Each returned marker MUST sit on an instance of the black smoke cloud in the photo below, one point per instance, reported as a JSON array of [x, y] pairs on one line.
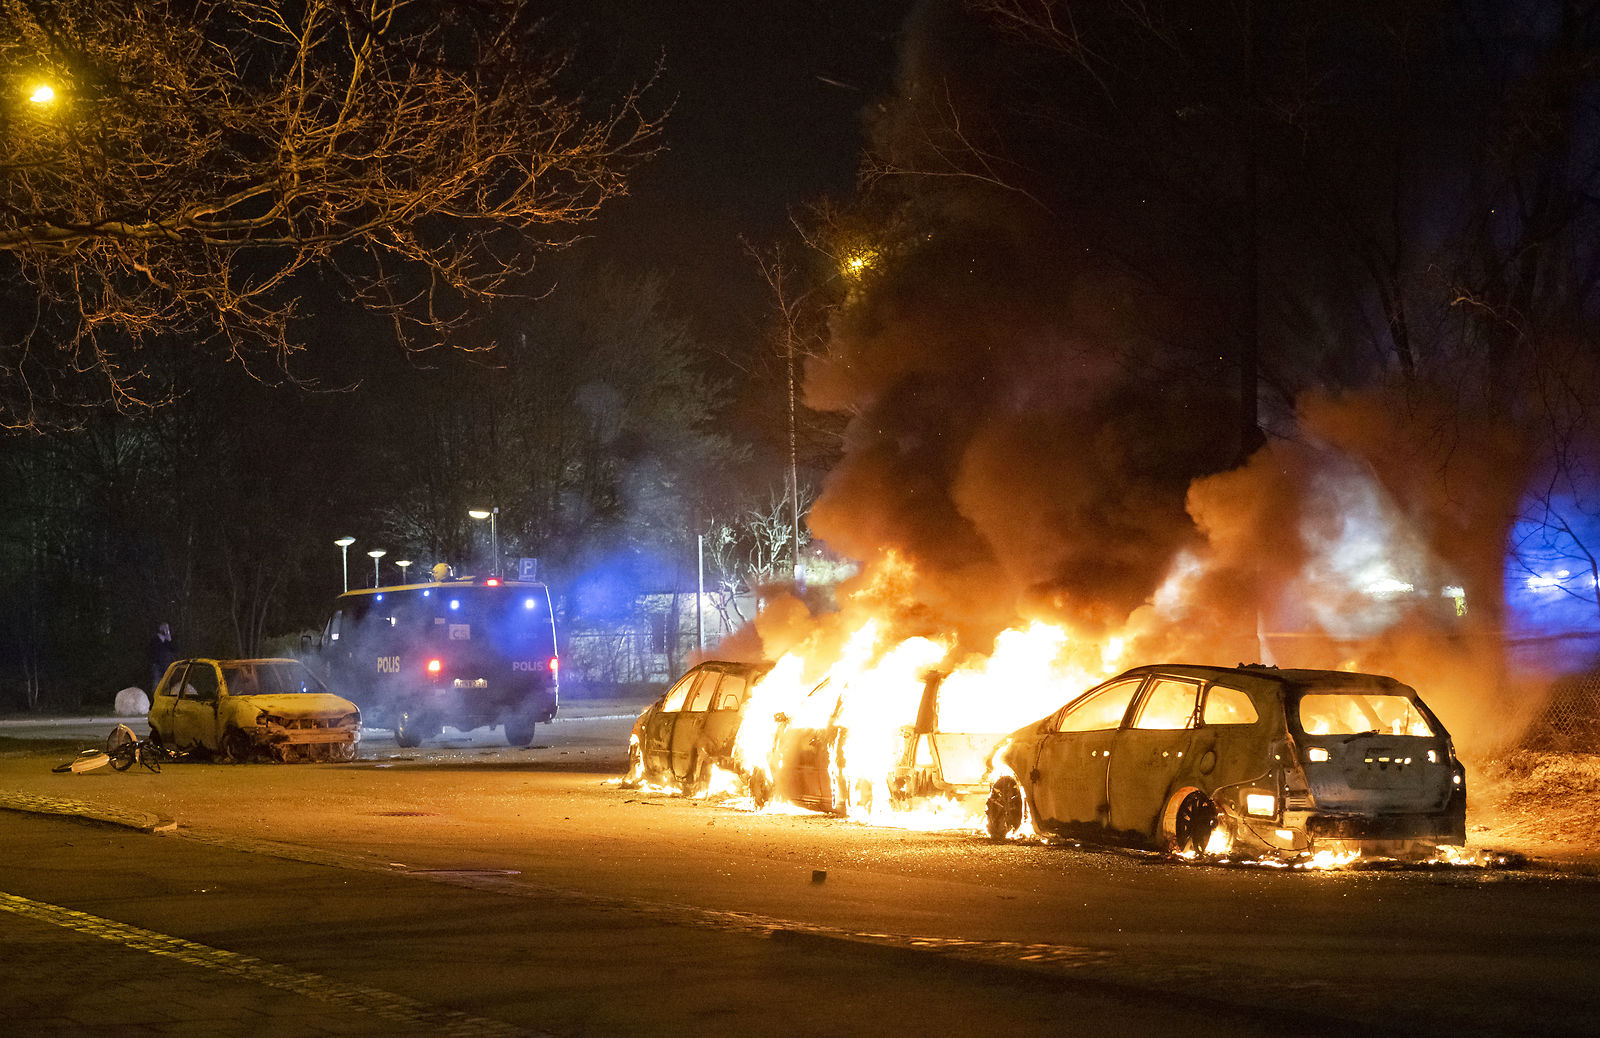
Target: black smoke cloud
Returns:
[[1041, 372]]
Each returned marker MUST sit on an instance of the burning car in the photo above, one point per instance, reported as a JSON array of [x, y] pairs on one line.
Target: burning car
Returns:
[[818, 761], [1196, 760], [682, 737], [241, 710]]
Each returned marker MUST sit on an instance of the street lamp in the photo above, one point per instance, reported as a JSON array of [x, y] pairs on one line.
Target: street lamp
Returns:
[[344, 558], [376, 553], [43, 94], [492, 515], [402, 563]]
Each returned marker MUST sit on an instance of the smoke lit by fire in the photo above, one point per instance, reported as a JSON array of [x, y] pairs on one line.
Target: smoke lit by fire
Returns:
[[1043, 480]]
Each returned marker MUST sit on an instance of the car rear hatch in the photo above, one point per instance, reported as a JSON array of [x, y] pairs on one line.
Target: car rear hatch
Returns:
[[1373, 752]]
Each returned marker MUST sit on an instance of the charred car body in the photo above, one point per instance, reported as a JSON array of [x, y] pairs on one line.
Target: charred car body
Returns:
[[242, 710], [464, 653], [681, 737], [819, 763], [1276, 762]]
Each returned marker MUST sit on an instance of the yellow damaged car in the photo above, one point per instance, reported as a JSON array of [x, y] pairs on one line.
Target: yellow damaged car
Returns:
[[243, 710]]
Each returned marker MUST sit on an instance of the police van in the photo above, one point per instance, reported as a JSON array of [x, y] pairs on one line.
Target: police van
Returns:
[[464, 653]]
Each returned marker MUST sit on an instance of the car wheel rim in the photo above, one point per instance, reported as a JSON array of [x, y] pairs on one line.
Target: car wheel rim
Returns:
[[1196, 819]]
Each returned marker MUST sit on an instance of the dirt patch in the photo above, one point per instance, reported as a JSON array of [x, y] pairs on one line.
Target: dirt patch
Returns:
[[1545, 800]]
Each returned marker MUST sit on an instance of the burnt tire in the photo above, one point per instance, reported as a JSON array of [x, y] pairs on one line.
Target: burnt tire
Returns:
[[1189, 821], [1003, 812], [760, 789], [237, 747]]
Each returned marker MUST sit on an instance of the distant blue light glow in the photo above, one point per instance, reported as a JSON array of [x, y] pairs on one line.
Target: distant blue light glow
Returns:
[[1550, 586], [527, 603], [455, 603], [425, 594], [380, 598]]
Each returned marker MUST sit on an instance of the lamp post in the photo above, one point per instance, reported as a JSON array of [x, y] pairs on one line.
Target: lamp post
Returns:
[[491, 514], [376, 553], [344, 558], [403, 564]]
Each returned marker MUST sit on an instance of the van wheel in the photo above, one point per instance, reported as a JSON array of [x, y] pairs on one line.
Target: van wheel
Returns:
[[410, 728], [520, 733], [1188, 822], [1002, 813]]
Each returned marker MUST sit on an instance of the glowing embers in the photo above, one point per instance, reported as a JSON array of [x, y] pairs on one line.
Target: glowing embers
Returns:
[[1217, 846]]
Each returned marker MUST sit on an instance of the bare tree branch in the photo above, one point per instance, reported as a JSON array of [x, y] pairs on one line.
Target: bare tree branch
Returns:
[[200, 161]]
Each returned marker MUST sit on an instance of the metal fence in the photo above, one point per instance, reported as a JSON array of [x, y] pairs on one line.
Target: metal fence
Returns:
[[608, 659], [1570, 721]]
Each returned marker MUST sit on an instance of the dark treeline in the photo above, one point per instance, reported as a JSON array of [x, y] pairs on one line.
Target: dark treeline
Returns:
[[592, 430]]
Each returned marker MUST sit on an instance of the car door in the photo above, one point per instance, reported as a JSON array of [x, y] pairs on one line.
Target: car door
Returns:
[[194, 718], [1158, 743], [656, 749], [1068, 778], [691, 724], [808, 747], [727, 708], [165, 700]]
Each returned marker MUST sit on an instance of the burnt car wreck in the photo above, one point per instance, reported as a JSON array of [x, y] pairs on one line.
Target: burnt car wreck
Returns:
[[810, 763], [244, 710], [1249, 760], [681, 739]]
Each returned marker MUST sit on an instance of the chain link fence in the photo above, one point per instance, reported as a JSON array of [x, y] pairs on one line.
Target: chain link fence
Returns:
[[1570, 721], [601, 660]]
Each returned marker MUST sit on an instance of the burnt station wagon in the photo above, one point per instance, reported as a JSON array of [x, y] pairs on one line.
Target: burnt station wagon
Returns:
[[1275, 762]]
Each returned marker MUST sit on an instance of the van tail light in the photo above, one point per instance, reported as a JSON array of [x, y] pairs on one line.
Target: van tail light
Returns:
[[492, 582], [555, 666], [435, 666]]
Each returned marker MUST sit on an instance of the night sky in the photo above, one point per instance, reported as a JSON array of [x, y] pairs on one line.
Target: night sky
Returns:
[[766, 117]]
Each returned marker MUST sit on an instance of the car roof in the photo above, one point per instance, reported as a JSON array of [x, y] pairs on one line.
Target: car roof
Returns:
[[1262, 677], [227, 662], [756, 667]]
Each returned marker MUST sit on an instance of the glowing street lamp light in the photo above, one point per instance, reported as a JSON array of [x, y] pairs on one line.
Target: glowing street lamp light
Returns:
[[43, 94], [403, 564], [344, 557], [376, 554], [492, 515]]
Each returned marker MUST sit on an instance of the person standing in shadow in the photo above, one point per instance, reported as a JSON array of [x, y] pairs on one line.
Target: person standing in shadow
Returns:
[[162, 652]]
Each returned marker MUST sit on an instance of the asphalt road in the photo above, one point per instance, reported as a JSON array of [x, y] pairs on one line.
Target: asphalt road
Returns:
[[473, 888]]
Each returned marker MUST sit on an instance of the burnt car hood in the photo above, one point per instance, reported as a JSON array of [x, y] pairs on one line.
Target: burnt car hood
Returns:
[[297, 704]]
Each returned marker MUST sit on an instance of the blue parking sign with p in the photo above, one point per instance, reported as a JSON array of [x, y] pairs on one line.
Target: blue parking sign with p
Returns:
[[528, 569]]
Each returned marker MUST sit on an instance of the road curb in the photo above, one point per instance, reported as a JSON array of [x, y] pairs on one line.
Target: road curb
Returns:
[[29, 803]]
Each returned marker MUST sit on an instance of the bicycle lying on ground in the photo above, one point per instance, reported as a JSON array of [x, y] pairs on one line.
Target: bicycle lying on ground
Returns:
[[123, 750]]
